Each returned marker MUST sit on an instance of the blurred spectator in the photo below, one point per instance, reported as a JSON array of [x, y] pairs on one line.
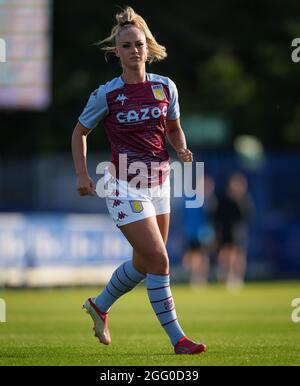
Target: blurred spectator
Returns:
[[201, 234], [235, 210]]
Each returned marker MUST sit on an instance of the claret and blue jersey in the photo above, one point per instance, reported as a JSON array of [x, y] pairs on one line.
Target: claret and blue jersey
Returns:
[[134, 117]]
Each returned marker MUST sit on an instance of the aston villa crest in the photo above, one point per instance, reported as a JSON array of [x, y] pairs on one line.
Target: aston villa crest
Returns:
[[158, 92], [136, 206]]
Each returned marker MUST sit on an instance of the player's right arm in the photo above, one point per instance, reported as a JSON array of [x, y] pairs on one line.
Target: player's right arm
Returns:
[[95, 110], [84, 183]]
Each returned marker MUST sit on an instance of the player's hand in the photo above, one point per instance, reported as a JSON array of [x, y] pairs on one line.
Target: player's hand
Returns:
[[85, 186], [185, 155]]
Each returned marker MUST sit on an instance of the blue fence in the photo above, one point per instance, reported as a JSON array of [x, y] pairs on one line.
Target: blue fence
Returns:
[[51, 240], [57, 238]]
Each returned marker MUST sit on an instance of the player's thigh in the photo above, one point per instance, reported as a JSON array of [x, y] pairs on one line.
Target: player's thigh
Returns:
[[163, 222], [145, 238], [162, 209]]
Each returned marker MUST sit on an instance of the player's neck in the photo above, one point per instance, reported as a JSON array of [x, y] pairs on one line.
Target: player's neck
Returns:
[[134, 76]]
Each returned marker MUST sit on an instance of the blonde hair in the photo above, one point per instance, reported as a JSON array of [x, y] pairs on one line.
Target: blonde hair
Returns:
[[128, 18]]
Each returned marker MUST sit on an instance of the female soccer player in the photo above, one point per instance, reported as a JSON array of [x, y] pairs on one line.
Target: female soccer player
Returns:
[[138, 110]]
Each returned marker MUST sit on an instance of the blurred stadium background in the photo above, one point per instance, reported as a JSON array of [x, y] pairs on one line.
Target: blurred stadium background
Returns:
[[239, 98]]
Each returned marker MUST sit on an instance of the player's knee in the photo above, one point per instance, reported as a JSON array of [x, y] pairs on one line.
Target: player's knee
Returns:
[[158, 263], [164, 266]]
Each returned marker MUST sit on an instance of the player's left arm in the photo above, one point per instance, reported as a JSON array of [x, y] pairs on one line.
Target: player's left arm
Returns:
[[176, 137]]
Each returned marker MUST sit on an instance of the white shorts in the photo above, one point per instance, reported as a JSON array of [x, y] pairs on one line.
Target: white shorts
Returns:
[[137, 204]]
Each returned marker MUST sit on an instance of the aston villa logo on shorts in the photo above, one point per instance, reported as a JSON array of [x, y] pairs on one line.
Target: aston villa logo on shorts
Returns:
[[158, 92], [136, 206]]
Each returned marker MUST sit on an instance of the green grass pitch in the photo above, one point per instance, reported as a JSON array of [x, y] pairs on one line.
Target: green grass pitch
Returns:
[[253, 327]]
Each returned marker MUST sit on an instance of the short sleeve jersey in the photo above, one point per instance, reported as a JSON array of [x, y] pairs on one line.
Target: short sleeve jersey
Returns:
[[134, 117]]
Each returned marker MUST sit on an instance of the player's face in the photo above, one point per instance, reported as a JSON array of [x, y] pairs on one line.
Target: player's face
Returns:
[[131, 47]]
